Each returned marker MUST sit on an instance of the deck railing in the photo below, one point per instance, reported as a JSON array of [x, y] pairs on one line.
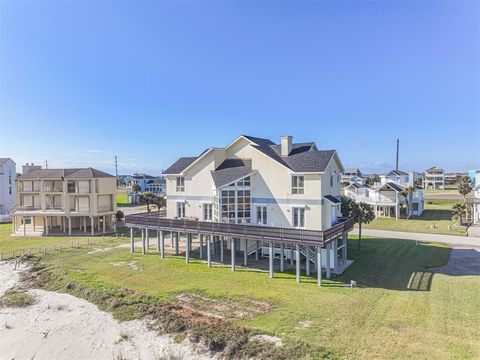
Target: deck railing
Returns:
[[254, 232]]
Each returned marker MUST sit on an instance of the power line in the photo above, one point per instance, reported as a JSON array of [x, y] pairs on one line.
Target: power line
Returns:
[[116, 169]]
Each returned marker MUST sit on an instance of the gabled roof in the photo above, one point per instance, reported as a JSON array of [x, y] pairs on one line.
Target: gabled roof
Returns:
[[259, 141], [395, 187], [231, 170], [180, 165], [4, 160], [304, 157], [396, 172], [85, 173]]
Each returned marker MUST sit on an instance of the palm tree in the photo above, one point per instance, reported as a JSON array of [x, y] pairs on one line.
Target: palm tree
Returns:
[[148, 199], [458, 211], [136, 188], [464, 187], [362, 214], [408, 195]]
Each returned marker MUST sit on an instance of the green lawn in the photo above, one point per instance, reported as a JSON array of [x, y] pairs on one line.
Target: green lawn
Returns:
[[437, 213], [122, 197], [399, 311]]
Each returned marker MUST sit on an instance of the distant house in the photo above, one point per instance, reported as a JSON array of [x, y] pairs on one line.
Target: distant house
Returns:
[[434, 178], [473, 203], [64, 201], [353, 176], [472, 174], [7, 186], [147, 183], [476, 207], [387, 197]]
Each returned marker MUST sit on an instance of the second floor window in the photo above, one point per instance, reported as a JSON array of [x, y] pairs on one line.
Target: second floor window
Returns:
[[180, 183], [297, 184]]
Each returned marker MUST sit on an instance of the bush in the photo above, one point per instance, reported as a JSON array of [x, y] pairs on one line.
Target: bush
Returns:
[[119, 215], [19, 299]]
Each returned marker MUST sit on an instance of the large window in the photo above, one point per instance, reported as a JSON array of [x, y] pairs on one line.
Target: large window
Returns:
[[180, 184], [207, 212], [298, 217], [180, 210], [297, 184], [235, 202]]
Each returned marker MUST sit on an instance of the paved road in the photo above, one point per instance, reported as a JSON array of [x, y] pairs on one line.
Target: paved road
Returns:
[[448, 239]]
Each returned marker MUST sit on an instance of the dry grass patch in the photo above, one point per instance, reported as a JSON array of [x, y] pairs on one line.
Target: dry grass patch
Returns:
[[224, 308], [17, 298]]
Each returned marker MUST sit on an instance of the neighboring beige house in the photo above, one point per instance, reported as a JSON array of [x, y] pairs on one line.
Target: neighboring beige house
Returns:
[[434, 178], [64, 201], [255, 181]]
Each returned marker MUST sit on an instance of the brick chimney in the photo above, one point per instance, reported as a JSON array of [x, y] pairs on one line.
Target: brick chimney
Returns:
[[286, 145]]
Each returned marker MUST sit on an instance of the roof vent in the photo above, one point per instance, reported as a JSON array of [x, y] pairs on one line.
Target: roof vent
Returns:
[[286, 145]]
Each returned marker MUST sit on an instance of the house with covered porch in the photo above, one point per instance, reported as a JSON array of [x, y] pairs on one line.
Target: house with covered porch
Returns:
[[262, 199], [389, 197], [64, 201]]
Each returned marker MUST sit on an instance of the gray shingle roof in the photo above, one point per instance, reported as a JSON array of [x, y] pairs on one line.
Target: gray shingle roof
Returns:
[[85, 173], [296, 148], [304, 157], [180, 165], [231, 170], [392, 185]]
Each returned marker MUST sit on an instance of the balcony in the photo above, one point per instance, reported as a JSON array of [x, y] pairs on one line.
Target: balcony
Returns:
[[253, 232], [52, 189]]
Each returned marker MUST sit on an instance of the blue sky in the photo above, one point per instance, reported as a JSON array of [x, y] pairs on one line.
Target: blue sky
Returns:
[[153, 81]]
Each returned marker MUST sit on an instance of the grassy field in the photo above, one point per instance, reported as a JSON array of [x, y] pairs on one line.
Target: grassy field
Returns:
[[399, 311], [437, 213], [122, 197]]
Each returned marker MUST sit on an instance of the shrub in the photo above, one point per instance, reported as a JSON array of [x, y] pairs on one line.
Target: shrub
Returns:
[[119, 215], [15, 298]]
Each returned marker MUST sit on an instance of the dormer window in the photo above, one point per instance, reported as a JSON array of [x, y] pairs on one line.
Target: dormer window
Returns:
[[297, 184], [180, 184]]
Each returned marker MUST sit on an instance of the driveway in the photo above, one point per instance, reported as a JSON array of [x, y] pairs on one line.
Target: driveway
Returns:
[[447, 239], [474, 230], [462, 261]]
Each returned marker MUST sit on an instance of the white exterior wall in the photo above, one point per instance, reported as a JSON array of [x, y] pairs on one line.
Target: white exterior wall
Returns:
[[7, 186], [270, 186]]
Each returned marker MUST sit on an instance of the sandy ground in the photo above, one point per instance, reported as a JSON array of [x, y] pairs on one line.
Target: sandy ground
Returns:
[[61, 326], [462, 262]]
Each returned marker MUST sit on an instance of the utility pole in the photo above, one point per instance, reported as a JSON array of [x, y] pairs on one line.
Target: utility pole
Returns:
[[46, 164], [398, 147], [116, 169]]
